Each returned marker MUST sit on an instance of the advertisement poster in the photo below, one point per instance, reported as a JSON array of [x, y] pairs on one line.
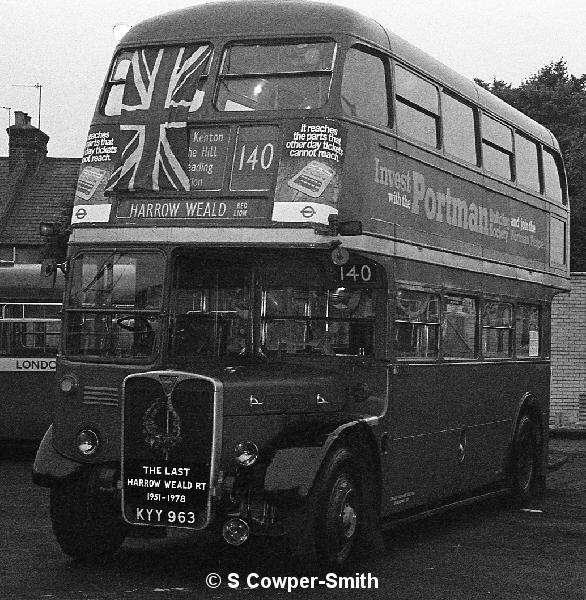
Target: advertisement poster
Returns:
[[440, 209], [97, 164], [308, 181]]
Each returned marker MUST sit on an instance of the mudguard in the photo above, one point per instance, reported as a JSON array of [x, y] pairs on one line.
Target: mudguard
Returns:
[[50, 467], [297, 458]]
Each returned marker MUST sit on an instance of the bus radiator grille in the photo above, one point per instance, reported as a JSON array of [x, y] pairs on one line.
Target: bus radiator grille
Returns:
[[101, 395]]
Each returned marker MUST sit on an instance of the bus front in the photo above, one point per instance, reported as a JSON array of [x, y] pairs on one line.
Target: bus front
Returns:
[[215, 332]]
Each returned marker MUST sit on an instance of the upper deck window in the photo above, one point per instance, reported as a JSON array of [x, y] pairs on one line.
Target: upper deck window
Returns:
[[417, 107], [552, 178], [275, 76], [459, 127], [166, 77], [526, 163], [364, 87], [497, 148]]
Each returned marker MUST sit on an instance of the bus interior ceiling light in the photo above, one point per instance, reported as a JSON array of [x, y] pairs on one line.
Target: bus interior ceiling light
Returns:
[[245, 453]]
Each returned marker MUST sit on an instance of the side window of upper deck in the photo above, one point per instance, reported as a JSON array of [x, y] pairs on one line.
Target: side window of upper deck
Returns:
[[417, 107], [459, 128], [364, 87], [552, 177], [497, 147], [157, 78], [526, 162]]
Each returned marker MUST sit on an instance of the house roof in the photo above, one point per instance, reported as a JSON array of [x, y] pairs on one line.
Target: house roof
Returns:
[[44, 195]]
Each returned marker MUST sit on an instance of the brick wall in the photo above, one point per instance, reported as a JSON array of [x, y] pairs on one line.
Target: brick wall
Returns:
[[568, 355]]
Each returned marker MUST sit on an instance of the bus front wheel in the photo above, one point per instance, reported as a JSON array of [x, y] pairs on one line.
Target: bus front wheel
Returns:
[[339, 504], [85, 521], [525, 461]]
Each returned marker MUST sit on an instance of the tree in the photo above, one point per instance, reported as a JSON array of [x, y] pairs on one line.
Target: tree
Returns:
[[557, 100]]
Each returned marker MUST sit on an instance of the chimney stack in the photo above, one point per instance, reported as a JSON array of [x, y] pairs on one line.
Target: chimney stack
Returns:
[[26, 144]]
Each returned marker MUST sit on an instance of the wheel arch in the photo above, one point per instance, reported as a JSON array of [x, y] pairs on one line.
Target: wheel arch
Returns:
[[298, 467]]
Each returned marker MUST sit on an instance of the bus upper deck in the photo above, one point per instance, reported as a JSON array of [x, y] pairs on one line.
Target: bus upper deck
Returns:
[[261, 137]]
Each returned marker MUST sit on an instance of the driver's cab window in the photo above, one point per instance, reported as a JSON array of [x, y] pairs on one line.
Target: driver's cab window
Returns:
[[210, 310]]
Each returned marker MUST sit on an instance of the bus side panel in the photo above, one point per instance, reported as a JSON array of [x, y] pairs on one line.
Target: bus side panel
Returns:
[[418, 467], [492, 414], [452, 425], [26, 402]]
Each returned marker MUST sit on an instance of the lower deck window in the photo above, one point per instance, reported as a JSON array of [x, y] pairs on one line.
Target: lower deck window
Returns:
[[527, 331], [417, 324], [459, 328], [339, 321], [497, 326]]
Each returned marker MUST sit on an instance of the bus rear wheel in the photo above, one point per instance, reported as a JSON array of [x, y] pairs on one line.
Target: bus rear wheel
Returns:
[[85, 522], [525, 461]]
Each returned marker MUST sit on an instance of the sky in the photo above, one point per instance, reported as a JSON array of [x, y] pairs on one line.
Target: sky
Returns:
[[66, 46]]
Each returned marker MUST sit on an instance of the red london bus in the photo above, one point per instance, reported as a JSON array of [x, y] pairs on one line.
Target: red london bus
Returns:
[[30, 324], [308, 290]]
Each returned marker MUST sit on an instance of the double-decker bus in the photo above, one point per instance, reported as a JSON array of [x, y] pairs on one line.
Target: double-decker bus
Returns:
[[308, 287], [30, 324]]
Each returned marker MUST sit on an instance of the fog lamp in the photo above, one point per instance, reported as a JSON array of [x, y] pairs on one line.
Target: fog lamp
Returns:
[[68, 384], [87, 442], [236, 531], [245, 453]]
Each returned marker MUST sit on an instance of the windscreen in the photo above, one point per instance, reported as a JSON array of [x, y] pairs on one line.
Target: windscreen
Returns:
[[114, 304]]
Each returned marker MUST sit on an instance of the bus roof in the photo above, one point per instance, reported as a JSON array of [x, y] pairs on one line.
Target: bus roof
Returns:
[[276, 18]]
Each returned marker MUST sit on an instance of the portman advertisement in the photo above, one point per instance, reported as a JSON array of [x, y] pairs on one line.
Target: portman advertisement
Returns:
[[417, 197]]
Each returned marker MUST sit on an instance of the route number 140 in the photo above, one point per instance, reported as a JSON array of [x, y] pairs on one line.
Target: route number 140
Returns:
[[355, 273], [249, 159]]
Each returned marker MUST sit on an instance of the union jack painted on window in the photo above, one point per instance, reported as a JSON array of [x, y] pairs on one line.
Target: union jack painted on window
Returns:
[[162, 86]]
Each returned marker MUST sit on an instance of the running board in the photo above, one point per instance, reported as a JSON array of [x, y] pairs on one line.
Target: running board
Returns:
[[390, 522]]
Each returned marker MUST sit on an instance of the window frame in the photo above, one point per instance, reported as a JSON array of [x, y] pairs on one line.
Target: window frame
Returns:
[[446, 92], [510, 328], [540, 339], [398, 98], [293, 41], [517, 134], [496, 147], [388, 84], [110, 83], [393, 338], [477, 333]]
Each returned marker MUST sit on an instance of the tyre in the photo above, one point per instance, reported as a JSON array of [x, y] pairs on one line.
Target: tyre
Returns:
[[525, 461], [339, 509], [86, 522]]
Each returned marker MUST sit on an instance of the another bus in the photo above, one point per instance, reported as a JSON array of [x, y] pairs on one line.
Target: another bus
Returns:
[[309, 287], [30, 325]]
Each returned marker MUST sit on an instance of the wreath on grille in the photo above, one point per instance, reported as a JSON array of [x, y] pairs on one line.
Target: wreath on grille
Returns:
[[157, 439]]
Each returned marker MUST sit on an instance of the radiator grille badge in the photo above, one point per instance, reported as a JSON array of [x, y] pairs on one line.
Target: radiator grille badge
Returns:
[[165, 437]]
